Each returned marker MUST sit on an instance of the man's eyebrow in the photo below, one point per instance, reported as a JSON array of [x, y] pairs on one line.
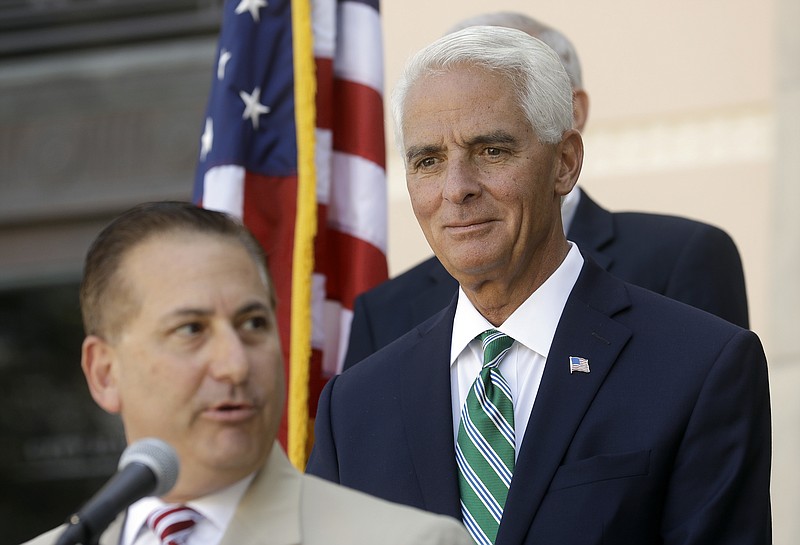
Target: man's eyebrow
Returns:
[[497, 137], [190, 311], [417, 151], [255, 306]]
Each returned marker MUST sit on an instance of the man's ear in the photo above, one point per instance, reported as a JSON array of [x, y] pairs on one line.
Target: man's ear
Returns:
[[570, 156], [97, 362]]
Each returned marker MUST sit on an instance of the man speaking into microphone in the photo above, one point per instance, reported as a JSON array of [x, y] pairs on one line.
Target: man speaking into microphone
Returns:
[[182, 342]]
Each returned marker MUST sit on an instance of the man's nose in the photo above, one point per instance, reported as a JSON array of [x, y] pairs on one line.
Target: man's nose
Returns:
[[230, 362], [461, 181]]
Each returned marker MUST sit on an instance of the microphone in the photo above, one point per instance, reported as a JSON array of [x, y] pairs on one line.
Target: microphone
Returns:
[[148, 467]]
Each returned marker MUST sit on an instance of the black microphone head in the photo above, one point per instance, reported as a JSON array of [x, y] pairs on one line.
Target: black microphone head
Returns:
[[159, 457]]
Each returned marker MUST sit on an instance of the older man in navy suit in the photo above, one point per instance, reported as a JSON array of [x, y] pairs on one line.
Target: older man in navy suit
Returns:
[[550, 402], [686, 260]]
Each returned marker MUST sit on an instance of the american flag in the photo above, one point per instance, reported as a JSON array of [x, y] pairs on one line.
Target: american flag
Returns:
[[578, 365], [293, 144]]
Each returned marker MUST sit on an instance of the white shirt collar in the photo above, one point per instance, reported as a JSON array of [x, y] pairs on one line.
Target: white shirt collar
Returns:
[[217, 509], [568, 207], [534, 323]]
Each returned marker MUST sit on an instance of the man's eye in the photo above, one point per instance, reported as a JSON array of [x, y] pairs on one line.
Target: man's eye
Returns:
[[256, 323], [427, 162], [494, 152], [190, 329]]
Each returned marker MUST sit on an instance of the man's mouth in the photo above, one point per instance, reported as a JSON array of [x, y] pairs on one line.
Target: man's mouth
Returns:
[[230, 411], [467, 226]]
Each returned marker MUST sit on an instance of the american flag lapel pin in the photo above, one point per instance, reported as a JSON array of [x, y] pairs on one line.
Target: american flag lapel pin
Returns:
[[579, 365]]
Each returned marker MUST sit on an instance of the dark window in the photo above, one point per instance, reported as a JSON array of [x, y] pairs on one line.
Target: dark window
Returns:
[[56, 446]]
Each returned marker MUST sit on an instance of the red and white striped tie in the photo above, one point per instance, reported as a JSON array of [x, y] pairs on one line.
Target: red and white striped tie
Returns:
[[173, 523]]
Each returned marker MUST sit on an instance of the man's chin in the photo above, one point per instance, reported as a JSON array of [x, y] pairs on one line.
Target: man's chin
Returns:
[[234, 450], [470, 268]]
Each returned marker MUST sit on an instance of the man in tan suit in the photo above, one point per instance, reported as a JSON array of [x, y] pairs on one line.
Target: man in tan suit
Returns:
[[182, 342]]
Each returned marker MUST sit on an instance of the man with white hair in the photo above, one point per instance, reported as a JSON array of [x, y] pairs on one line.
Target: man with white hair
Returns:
[[689, 261], [550, 402]]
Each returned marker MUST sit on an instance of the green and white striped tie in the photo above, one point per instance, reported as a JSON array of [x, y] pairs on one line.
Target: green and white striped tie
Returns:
[[485, 446]]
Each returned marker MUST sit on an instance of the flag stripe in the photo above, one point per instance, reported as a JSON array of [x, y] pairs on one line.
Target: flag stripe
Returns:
[[325, 97], [223, 189], [371, 3], [359, 55], [345, 281], [359, 122], [324, 166], [358, 199], [324, 24]]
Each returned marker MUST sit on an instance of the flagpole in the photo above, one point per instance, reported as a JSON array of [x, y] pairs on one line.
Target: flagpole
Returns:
[[305, 230]]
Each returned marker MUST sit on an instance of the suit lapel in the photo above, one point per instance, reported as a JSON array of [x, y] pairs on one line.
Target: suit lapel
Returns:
[[427, 414], [585, 330], [269, 512], [592, 229]]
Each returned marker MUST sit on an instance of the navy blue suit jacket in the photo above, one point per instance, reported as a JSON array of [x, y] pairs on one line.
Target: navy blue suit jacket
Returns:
[[665, 441], [686, 260]]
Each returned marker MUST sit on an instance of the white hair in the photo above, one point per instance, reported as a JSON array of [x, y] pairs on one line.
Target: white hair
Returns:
[[549, 35], [532, 69]]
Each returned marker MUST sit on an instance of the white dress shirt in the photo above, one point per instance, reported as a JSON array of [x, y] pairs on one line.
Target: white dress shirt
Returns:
[[217, 510], [568, 206], [532, 326]]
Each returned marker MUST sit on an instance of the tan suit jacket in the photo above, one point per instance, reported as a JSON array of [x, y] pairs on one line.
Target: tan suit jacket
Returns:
[[284, 507]]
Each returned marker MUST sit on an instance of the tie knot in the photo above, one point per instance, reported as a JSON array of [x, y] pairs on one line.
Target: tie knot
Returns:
[[173, 523], [495, 346]]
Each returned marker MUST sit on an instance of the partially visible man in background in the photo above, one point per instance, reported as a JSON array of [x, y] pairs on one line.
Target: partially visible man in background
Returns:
[[182, 342], [685, 260]]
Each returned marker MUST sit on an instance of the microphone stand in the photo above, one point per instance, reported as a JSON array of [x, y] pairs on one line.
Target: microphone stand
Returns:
[[137, 480], [77, 533]]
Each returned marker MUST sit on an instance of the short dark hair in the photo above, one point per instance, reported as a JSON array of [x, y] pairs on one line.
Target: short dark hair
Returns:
[[100, 286]]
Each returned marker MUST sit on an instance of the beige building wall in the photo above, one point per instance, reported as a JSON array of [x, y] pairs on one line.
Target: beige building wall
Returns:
[[694, 111]]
